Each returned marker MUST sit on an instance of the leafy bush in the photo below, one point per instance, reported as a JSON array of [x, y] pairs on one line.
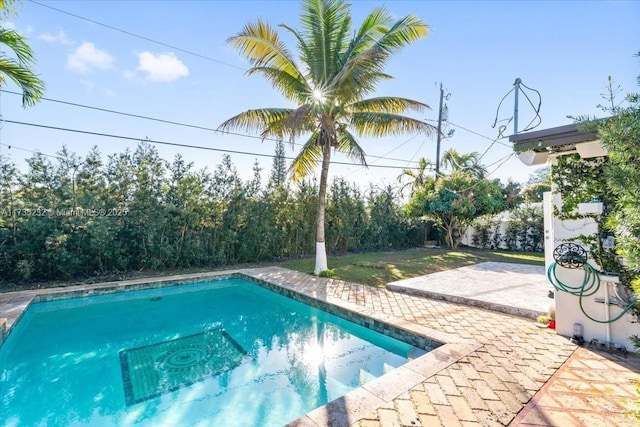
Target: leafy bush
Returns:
[[327, 273]]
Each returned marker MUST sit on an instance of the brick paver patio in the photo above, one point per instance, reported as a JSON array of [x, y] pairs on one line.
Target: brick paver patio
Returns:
[[506, 371], [491, 386]]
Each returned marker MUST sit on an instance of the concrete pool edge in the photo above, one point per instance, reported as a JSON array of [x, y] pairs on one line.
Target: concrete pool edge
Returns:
[[340, 412]]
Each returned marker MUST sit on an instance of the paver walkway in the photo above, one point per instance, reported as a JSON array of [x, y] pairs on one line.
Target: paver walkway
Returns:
[[518, 289], [591, 389]]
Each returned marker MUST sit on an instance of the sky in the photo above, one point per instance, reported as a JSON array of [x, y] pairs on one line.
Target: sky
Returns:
[[169, 60]]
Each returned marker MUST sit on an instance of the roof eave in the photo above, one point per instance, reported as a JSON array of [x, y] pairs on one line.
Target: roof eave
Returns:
[[553, 138]]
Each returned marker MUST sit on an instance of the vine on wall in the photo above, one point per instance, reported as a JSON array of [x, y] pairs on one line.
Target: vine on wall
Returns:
[[579, 181]]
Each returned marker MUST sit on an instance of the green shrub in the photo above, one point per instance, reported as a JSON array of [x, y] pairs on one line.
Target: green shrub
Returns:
[[327, 273]]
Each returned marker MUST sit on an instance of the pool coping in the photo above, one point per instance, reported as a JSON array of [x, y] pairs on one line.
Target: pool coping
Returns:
[[343, 411]]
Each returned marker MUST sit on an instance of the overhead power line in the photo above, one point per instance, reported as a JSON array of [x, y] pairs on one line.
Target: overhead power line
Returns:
[[14, 147], [129, 33], [480, 135], [187, 125], [501, 130], [475, 133], [176, 144]]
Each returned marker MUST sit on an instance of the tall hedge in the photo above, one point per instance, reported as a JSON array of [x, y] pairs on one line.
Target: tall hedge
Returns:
[[72, 217]]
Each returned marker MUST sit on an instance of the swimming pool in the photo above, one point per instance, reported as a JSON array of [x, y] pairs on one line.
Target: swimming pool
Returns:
[[218, 353]]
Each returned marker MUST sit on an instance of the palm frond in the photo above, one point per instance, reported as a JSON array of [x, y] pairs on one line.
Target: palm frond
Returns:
[[347, 144], [345, 66], [402, 33], [371, 29], [388, 104], [323, 22], [292, 87], [307, 159], [405, 31], [466, 163], [18, 45], [360, 58], [30, 84], [371, 124], [258, 119], [358, 77], [302, 44], [260, 43], [365, 59], [300, 120], [18, 69], [416, 178]]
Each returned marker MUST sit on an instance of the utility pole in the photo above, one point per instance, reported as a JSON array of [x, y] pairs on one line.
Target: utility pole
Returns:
[[439, 134]]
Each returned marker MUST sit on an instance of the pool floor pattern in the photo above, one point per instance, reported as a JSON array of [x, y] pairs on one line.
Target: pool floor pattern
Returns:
[[153, 370]]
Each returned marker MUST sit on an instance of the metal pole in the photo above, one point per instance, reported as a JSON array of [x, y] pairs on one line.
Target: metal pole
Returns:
[[515, 108], [439, 134]]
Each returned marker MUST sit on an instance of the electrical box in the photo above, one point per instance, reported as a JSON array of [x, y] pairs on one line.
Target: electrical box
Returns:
[[608, 242], [591, 208], [609, 278], [591, 149]]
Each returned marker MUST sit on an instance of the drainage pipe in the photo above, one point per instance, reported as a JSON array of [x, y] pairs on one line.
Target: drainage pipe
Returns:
[[606, 313]]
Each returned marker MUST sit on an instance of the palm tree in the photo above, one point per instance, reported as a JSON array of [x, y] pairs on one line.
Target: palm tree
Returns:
[[328, 82], [466, 163], [417, 178], [18, 69]]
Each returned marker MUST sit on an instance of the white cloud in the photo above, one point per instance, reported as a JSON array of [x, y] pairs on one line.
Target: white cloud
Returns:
[[87, 56], [92, 89], [9, 25], [60, 37], [161, 67]]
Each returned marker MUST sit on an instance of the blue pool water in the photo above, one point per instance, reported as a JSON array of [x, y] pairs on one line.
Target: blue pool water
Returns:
[[223, 353]]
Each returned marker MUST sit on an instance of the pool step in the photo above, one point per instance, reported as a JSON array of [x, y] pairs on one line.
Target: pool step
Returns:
[[365, 377]]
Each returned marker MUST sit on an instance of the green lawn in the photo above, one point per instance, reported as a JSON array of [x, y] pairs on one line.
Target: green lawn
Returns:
[[379, 268], [374, 268]]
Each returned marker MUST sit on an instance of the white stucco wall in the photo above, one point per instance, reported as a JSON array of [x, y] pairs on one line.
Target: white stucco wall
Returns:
[[467, 238], [503, 218]]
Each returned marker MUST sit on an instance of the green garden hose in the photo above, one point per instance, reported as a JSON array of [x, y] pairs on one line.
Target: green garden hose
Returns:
[[590, 285]]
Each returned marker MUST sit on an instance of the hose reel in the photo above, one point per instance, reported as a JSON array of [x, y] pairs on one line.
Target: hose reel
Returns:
[[574, 256], [570, 255]]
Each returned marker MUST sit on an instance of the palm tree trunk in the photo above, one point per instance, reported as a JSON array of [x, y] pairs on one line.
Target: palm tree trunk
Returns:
[[321, 250]]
